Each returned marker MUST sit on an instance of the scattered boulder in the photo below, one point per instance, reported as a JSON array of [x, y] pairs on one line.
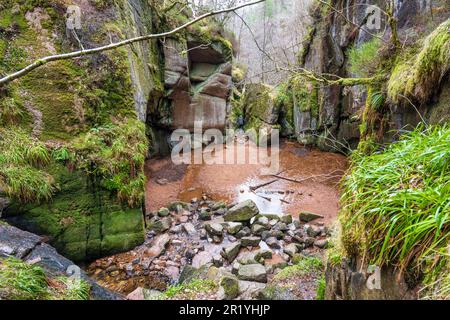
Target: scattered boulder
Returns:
[[235, 268], [250, 241], [264, 221], [234, 227], [231, 251], [218, 261], [218, 205], [241, 212], [250, 290], [312, 231], [214, 229], [144, 294], [263, 254], [258, 229], [273, 243], [321, 243], [307, 216], [205, 214], [281, 226], [252, 272], [247, 258], [287, 219], [159, 245], [308, 241], [291, 249], [276, 234], [160, 225], [178, 206], [244, 232], [189, 229]]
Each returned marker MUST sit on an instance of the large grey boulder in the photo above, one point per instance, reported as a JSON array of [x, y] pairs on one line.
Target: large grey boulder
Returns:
[[159, 245], [214, 229], [218, 85], [231, 251], [242, 212], [252, 272]]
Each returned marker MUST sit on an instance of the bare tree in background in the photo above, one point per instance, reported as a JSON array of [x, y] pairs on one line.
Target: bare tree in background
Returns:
[[275, 29]]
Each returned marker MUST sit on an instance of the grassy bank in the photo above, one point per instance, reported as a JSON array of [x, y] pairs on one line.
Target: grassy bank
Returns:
[[396, 207]]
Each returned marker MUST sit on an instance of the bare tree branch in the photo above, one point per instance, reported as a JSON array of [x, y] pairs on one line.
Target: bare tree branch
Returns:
[[65, 56]]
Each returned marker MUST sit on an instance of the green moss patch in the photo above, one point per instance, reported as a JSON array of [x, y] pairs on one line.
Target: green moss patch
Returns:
[[419, 78]]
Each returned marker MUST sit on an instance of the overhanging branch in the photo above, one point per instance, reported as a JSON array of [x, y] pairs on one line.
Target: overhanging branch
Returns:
[[65, 56]]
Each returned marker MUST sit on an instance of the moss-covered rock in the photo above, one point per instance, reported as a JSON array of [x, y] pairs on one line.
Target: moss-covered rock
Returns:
[[83, 223], [419, 78]]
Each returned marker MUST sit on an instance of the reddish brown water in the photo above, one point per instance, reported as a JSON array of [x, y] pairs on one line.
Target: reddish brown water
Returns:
[[233, 182]]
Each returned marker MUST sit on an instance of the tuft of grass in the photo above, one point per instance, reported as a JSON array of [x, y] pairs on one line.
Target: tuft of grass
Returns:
[[396, 203], [21, 163], [364, 60], [303, 266], [22, 281], [321, 285], [11, 112], [75, 289], [189, 289], [116, 154]]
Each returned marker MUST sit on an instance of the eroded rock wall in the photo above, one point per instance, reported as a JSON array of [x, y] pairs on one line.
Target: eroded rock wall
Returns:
[[325, 51], [197, 86]]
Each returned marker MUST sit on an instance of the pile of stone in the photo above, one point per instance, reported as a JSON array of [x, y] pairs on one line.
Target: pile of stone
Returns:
[[242, 245]]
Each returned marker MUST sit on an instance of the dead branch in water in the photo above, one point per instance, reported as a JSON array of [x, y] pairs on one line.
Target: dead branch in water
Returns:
[[327, 176], [254, 188]]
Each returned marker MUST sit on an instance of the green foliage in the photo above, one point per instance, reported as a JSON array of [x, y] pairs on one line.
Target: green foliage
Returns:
[[321, 286], [304, 265], [75, 289], [190, 289], [116, 154], [396, 203], [21, 161], [377, 100], [364, 60], [63, 154], [23, 281], [11, 112]]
